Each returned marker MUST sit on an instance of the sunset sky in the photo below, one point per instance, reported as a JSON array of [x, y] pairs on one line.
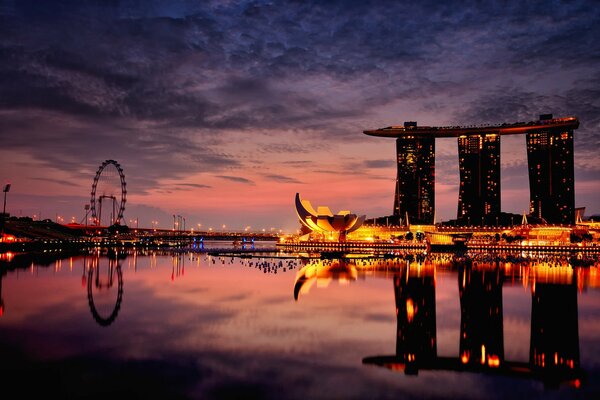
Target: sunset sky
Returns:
[[220, 111]]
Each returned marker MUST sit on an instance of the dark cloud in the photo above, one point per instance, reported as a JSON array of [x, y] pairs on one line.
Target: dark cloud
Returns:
[[383, 163], [193, 185], [162, 86], [282, 178], [58, 181], [237, 179], [178, 187]]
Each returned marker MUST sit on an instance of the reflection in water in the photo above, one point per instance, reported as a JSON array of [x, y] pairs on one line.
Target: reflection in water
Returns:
[[481, 333], [554, 350], [554, 341], [414, 292], [177, 265], [1, 297], [345, 270], [100, 285], [322, 273]]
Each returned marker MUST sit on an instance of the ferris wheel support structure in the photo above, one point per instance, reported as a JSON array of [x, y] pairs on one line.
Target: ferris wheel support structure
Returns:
[[117, 206]]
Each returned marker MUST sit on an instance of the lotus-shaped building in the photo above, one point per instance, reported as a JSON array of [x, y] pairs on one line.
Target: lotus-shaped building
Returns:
[[323, 221]]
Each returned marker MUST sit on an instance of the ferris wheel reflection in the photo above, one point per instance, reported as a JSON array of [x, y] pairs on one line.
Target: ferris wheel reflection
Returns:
[[104, 289]]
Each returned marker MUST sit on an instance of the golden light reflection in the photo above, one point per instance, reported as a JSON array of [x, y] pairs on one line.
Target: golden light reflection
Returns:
[[482, 354], [493, 361], [464, 358], [410, 310]]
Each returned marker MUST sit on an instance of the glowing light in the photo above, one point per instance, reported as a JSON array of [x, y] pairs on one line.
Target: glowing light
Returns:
[[482, 354], [493, 361], [7, 238], [410, 310], [464, 358]]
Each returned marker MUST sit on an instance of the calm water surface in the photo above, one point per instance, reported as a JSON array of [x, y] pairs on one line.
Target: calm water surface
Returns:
[[193, 326]]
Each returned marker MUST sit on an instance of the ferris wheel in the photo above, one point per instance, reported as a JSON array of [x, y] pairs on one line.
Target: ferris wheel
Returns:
[[108, 187]]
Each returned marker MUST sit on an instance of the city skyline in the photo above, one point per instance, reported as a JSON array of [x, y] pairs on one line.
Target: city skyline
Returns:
[[550, 163], [222, 112]]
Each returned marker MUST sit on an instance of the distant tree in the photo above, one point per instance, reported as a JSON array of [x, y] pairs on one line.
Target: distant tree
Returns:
[[497, 237], [409, 236]]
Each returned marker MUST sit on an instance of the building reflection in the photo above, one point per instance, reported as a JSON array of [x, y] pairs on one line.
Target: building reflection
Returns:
[[322, 272], [554, 349], [177, 265], [104, 282], [1, 297], [415, 310], [481, 331], [554, 341]]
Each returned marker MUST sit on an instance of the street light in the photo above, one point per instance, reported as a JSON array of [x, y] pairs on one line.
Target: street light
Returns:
[[86, 207], [6, 190]]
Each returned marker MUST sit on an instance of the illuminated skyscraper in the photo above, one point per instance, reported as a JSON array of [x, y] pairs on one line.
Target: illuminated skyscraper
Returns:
[[415, 182], [550, 159], [479, 166], [551, 175]]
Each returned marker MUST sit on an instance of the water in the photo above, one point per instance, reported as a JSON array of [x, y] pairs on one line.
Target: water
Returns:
[[192, 326]]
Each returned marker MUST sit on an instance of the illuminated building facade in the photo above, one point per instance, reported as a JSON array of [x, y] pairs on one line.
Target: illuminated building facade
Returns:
[[324, 222], [415, 181], [551, 175], [479, 166], [549, 154]]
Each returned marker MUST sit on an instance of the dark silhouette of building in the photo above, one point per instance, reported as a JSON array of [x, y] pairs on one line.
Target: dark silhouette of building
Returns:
[[551, 174], [554, 341], [415, 181], [481, 327], [554, 348], [416, 331], [479, 166], [549, 154]]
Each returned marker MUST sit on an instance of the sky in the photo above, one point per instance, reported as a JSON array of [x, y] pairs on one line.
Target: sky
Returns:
[[220, 111]]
